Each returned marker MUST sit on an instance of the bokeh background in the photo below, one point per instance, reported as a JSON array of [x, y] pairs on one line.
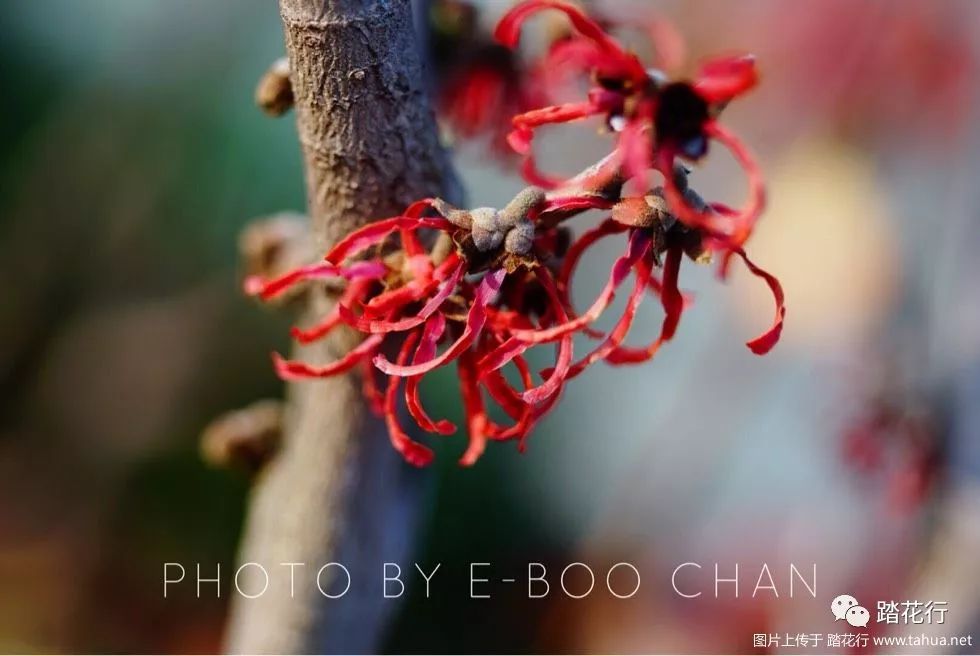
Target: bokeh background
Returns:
[[132, 156]]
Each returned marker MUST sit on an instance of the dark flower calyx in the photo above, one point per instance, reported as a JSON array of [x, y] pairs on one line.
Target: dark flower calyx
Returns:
[[680, 118]]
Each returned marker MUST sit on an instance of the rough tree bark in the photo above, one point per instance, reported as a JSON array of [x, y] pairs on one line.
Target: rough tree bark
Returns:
[[337, 491]]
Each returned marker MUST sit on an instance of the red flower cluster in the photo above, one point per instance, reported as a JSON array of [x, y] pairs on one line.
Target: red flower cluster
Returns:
[[656, 122], [895, 442], [481, 83], [495, 283]]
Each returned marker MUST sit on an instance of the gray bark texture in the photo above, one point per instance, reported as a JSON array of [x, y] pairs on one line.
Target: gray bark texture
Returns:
[[337, 491]]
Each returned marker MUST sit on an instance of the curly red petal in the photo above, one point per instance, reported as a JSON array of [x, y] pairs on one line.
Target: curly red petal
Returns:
[[673, 303], [433, 331], [374, 326], [639, 245], [618, 334], [531, 174], [267, 289], [369, 388], [319, 330], [704, 220], [297, 370], [376, 232], [413, 452], [391, 301], [730, 229], [533, 413], [502, 354], [571, 260], [721, 80], [475, 319], [764, 342], [635, 146], [575, 252], [413, 246], [510, 400], [553, 382], [573, 54], [508, 30], [355, 291], [745, 218], [503, 394], [574, 203], [476, 416], [526, 124]]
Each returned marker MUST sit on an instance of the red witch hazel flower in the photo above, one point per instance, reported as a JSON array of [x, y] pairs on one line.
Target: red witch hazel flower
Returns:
[[481, 83], [894, 442], [655, 121], [481, 287]]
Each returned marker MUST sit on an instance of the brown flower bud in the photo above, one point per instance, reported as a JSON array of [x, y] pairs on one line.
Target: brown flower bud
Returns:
[[274, 92], [244, 438]]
